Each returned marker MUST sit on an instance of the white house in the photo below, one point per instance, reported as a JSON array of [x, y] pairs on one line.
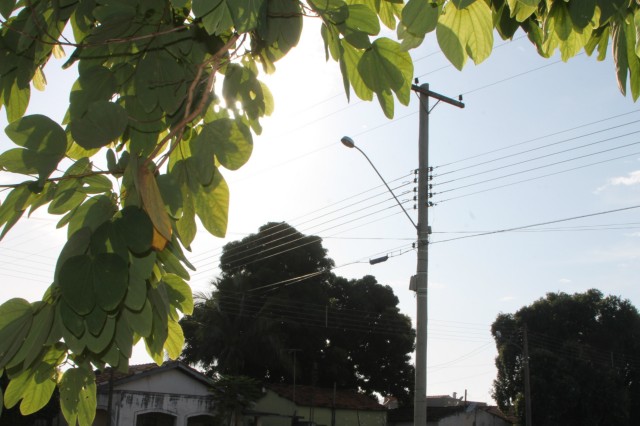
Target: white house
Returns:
[[170, 395]]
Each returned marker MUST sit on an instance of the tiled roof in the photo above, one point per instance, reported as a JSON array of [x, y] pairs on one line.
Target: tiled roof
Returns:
[[308, 396], [135, 371], [435, 414]]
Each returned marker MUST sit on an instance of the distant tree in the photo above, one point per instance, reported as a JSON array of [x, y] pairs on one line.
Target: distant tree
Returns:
[[277, 302], [584, 355], [233, 394]]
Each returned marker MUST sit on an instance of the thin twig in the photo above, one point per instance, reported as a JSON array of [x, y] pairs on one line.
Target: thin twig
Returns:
[[190, 116]]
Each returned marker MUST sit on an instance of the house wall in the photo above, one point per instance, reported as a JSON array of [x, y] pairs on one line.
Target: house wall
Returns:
[[272, 403], [171, 392], [175, 380], [481, 418], [127, 405]]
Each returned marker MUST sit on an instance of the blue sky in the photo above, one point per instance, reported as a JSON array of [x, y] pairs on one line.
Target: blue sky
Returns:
[[518, 106]]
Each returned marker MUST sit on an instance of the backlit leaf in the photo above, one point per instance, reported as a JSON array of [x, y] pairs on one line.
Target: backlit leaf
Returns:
[[140, 322], [212, 206], [78, 396], [175, 340], [231, 141], [91, 214], [465, 32], [103, 123], [16, 317], [246, 13], [35, 340], [34, 393], [179, 293], [420, 17]]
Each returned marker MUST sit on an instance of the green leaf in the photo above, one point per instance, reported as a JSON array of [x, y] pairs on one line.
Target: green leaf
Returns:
[[171, 194], [582, 12], [202, 7], [619, 41], [13, 207], [35, 340], [140, 322], [96, 83], [160, 80], [631, 32], [110, 280], [284, 24], [465, 32], [76, 283], [420, 17], [186, 226], [38, 133], [76, 245], [96, 184], [6, 8], [34, 393], [172, 264], [78, 396], [124, 337], [136, 229], [103, 123], [219, 20], [37, 395], [95, 320], [72, 322], [179, 293], [349, 60], [16, 317], [522, 9], [362, 19], [175, 340], [212, 206], [92, 213], [462, 4], [65, 200], [246, 14], [15, 95], [385, 68], [44, 144], [98, 343], [231, 142]]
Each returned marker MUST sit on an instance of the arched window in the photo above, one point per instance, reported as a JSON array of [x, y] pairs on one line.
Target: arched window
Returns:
[[201, 420], [155, 419]]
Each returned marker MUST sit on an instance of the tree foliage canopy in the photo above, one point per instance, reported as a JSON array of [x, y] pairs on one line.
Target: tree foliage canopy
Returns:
[[584, 353], [166, 96], [277, 303]]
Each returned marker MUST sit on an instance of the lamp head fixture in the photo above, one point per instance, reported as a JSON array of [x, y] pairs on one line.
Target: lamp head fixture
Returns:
[[348, 142]]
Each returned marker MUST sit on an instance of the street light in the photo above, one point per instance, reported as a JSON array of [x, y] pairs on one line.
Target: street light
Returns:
[[349, 143], [420, 391]]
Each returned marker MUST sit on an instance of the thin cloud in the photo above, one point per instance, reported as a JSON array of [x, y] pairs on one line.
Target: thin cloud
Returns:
[[564, 281], [507, 298], [631, 179]]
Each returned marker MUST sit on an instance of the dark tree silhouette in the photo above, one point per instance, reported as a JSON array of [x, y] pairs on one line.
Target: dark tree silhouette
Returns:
[[277, 302], [584, 356]]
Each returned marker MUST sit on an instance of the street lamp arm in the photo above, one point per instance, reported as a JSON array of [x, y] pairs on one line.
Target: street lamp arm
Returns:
[[348, 142]]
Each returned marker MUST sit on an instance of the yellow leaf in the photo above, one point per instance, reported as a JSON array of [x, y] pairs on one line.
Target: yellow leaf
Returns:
[[153, 204], [158, 243]]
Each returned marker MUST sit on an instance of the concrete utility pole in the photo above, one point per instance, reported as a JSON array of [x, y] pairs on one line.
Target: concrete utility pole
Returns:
[[423, 229], [527, 379]]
